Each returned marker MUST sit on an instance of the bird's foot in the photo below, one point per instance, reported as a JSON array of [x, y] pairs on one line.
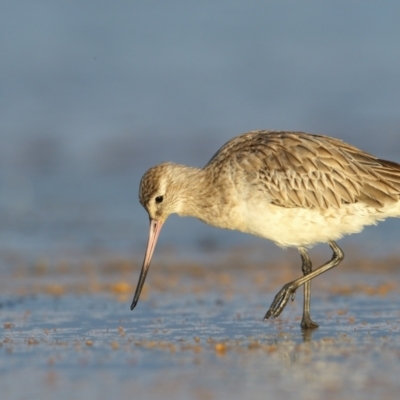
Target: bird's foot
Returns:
[[287, 292], [308, 323]]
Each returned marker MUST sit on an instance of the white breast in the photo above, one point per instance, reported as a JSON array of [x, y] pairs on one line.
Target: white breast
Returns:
[[306, 227]]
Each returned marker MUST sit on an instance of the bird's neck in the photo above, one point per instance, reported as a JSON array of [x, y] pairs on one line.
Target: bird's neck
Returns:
[[193, 190], [202, 197]]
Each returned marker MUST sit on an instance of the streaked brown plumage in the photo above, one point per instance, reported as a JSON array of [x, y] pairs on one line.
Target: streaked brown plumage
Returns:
[[293, 188]]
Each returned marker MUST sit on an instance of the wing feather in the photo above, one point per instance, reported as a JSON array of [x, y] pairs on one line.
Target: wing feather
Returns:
[[296, 169]]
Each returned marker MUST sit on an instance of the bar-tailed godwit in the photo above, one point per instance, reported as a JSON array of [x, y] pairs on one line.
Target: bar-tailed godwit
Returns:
[[293, 188]]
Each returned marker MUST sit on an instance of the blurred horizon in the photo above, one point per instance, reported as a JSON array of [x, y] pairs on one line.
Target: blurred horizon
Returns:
[[94, 93]]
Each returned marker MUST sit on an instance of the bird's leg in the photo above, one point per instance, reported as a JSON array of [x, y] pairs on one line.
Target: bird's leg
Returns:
[[290, 288], [306, 321]]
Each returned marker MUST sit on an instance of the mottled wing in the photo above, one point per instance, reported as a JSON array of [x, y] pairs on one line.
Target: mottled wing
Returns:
[[296, 169]]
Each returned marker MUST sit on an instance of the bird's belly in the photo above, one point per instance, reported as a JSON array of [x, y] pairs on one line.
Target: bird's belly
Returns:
[[306, 227]]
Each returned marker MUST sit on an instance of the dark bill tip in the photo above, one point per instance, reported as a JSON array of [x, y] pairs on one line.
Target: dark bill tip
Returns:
[[155, 229]]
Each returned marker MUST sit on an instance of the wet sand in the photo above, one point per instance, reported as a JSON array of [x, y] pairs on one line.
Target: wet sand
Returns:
[[197, 332]]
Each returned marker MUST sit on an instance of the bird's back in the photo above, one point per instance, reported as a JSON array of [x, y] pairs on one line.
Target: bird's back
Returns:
[[296, 169]]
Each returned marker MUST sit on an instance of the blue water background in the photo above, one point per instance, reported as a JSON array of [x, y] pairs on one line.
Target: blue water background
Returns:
[[94, 93]]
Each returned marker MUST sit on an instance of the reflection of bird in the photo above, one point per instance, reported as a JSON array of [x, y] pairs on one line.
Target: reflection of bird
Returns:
[[293, 188]]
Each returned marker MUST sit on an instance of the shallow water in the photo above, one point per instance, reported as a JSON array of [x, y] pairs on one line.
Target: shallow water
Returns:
[[197, 334], [94, 94]]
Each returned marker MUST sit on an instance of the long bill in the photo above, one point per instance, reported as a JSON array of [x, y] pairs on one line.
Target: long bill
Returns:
[[155, 229]]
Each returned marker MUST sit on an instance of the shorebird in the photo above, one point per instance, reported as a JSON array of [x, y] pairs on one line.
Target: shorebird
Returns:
[[294, 188]]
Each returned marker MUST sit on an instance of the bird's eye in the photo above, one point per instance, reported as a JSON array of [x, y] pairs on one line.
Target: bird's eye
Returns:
[[159, 199]]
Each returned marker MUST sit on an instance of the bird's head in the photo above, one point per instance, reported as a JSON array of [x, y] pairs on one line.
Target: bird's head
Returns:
[[159, 191], [163, 191]]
